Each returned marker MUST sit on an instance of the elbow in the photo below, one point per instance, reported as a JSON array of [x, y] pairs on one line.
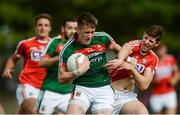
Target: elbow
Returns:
[[61, 80], [40, 64]]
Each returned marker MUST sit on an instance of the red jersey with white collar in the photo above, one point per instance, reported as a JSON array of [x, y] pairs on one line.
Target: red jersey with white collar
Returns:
[[31, 50], [148, 60], [163, 74]]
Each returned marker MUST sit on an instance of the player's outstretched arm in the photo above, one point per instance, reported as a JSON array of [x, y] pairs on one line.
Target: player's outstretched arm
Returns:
[[9, 66], [46, 62], [143, 80], [123, 53]]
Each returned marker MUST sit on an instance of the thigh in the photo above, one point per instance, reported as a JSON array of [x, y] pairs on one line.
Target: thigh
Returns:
[[63, 104], [103, 99], [80, 100], [28, 105], [26, 91], [156, 103], [134, 107], [121, 98], [173, 103], [48, 102]]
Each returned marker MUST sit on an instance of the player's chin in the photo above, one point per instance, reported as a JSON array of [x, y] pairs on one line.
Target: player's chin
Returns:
[[88, 42], [145, 49], [43, 35]]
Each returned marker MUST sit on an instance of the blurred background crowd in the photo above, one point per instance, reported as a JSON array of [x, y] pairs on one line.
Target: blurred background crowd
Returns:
[[123, 20]]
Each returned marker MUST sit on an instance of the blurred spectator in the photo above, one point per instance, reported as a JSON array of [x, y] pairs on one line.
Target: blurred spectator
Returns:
[[163, 97], [1, 109]]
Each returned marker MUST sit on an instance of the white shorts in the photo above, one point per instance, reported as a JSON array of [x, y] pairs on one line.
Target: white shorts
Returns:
[[49, 102], [121, 98], [25, 91], [101, 98], [168, 100]]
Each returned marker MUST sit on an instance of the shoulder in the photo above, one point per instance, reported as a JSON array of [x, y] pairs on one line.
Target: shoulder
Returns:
[[153, 56], [101, 34], [67, 45], [170, 58], [103, 37], [24, 42], [57, 37], [135, 45], [134, 42]]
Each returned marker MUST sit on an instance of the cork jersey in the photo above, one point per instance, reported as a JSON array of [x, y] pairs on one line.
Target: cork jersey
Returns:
[[31, 50], [96, 76], [148, 60], [163, 74], [51, 82]]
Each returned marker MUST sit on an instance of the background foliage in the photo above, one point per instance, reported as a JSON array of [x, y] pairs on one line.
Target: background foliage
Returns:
[[122, 19]]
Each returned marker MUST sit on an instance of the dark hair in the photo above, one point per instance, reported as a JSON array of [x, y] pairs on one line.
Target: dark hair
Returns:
[[87, 19], [69, 20], [43, 15], [156, 31]]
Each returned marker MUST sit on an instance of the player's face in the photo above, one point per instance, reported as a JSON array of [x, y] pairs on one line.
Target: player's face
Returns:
[[69, 29], [43, 27], [85, 35], [148, 43]]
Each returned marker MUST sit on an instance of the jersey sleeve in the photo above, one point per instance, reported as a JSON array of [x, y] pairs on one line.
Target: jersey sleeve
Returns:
[[19, 52], [106, 39], [174, 62], [50, 49], [135, 45], [64, 55], [153, 64]]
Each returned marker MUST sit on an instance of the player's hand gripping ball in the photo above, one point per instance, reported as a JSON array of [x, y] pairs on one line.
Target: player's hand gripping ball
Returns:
[[73, 59]]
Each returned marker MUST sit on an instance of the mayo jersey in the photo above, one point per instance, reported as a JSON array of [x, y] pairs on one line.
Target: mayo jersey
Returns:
[[51, 82], [148, 60], [31, 50], [97, 75], [163, 74]]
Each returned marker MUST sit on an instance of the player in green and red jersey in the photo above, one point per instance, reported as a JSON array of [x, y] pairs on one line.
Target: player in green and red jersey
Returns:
[[55, 96], [92, 83]]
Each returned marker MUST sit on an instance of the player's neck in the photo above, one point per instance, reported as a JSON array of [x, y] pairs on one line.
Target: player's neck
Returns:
[[42, 38]]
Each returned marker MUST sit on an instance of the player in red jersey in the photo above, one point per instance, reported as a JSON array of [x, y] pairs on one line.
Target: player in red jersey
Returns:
[[166, 77], [137, 69], [32, 75]]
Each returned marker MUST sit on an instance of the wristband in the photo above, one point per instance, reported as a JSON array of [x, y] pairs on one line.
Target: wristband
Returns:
[[76, 73]]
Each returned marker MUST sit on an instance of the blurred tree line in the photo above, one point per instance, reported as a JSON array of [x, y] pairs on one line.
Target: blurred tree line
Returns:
[[123, 19]]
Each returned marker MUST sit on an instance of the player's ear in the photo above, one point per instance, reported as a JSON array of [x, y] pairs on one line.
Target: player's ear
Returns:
[[157, 44], [50, 28], [62, 29]]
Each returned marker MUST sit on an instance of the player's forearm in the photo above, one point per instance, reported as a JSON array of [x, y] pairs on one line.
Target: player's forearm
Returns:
[[115, 47], [10, 63], [140, 80], [65, 77], [124, 52], [45, 62], [173, 81]]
